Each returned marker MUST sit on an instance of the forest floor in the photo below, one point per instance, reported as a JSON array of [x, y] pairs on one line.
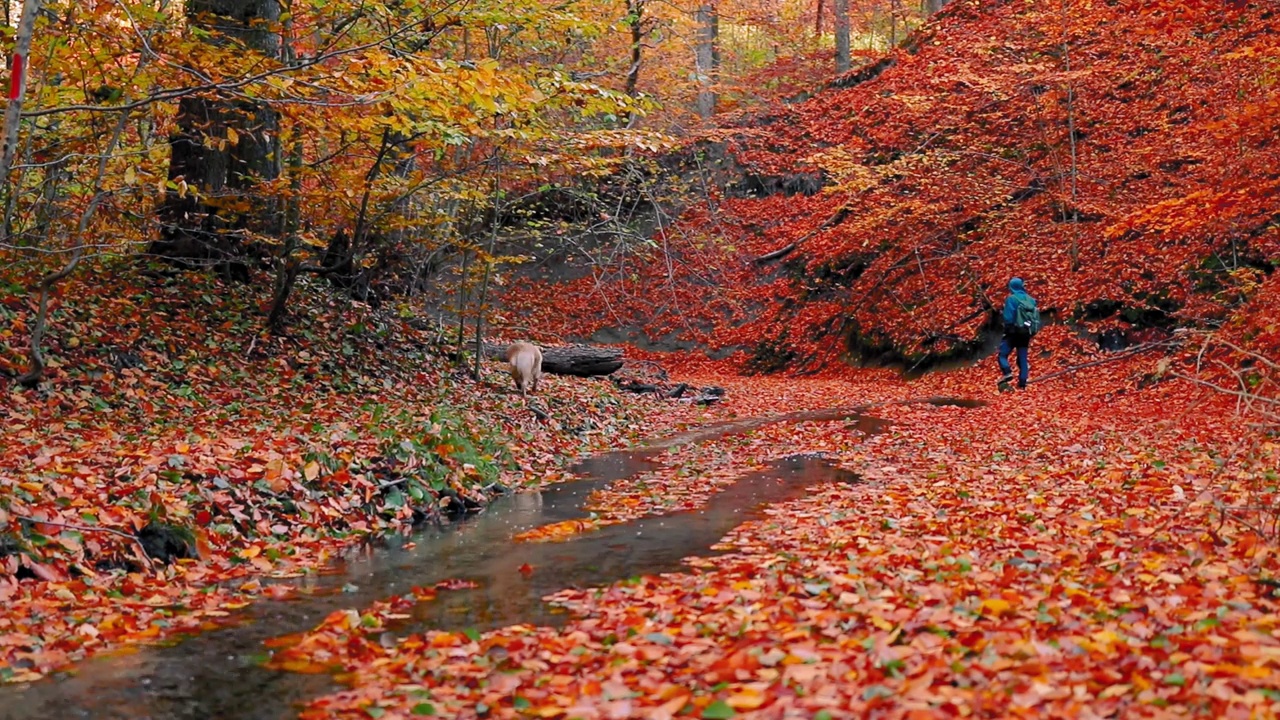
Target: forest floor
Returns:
[[1079, 549], [169, 427], [1102, 543]]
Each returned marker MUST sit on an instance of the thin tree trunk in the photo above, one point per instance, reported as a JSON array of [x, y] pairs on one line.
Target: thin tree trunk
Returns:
[[843, 60], [1071, 141], [36, 364], [17, 87], [707, 57], [292, 216], [636, 18], [289, 265], [488, 270], [893, 23], [463, 285]]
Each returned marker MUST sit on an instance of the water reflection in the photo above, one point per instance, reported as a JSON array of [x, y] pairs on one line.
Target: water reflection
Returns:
[[217, 675]]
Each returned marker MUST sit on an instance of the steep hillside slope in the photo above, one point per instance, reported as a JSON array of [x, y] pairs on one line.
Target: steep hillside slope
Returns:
[[1120, 156]]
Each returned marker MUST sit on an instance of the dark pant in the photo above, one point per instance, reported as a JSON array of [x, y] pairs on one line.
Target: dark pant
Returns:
[[1008, 345]]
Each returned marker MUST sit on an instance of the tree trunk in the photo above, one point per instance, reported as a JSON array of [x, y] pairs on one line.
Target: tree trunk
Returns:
[[842, 36], [488, 266], [707, 57], [17, 86], [635, 16], [221, 148], [933, 6], [575, 360]]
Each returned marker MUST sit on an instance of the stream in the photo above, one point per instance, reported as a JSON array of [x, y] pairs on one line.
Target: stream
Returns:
[[218, 674]]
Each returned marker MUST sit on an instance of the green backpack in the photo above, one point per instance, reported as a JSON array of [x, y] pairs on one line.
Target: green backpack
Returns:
[[1026, 316]]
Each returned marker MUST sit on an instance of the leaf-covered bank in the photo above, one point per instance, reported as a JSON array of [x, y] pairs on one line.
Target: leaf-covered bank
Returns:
[[175, 454]]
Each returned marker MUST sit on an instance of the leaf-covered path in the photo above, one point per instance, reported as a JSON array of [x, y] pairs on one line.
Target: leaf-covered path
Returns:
[[1058, 553]]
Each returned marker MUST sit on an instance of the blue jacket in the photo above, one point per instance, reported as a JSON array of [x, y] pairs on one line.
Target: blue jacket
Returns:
[[1016, 292]]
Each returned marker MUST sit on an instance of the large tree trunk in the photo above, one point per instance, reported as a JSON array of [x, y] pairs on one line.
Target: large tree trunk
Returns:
[[933, 6], [576, 360], [842, 36], [707, 56], [222, 148]]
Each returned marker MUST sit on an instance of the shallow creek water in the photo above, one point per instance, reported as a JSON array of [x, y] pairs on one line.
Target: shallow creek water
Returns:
[[218, 674]]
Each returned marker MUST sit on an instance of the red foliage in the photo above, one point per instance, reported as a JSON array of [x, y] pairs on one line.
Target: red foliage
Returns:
[[952, 171]]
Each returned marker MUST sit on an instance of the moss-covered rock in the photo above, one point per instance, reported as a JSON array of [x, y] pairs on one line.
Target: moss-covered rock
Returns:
[[167, 542]]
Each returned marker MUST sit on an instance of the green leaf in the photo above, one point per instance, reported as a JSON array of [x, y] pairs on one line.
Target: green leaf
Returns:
[[822, 715], [374, 712], [877, 691], [521, 703], [425, 708], [718, 710], [1175, 679], [472, 634]]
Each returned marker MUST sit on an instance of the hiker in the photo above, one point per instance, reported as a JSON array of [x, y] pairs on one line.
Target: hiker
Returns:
[[1021, 323]]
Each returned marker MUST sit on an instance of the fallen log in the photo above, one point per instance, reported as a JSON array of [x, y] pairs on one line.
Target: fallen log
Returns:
[[840, 216], [575, 360], [779, 253]]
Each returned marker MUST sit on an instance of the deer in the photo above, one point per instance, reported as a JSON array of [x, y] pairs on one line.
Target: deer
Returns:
[[526, 366]]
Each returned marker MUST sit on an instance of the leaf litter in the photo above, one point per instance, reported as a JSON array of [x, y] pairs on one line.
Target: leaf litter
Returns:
[[1061, 552]]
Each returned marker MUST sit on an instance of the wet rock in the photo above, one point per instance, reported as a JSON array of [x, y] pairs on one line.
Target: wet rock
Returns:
[[709, 395], [421, 517], [455, 505], [166, 542], [637, 387]]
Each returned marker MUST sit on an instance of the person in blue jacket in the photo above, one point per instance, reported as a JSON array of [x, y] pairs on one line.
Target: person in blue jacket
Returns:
[[1021, 322]]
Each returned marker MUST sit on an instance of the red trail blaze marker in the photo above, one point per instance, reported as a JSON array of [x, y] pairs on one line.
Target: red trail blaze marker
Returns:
[[18, 70]]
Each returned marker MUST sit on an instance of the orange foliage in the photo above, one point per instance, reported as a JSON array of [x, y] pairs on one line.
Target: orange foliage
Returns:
[[953, 170]]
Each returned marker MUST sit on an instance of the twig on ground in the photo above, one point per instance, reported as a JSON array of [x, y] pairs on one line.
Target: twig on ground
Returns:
[[1249, 396], [86, 528], [1118, 356]]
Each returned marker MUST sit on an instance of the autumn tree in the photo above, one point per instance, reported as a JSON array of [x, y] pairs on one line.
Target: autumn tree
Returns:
[[224, 141], [842, 35]]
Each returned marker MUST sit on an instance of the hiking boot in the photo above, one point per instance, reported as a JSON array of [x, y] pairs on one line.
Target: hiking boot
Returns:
[[1005, 379], [1022, 385]]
